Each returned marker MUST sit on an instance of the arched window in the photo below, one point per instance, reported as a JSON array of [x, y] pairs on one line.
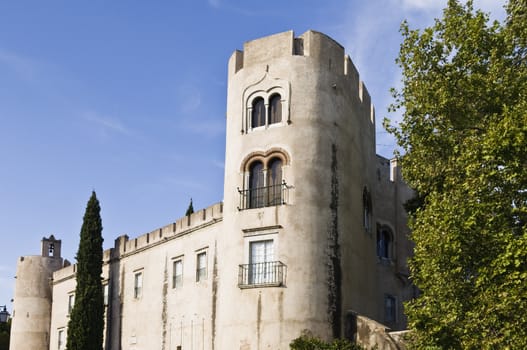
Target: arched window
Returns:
[[366, 206], [275, 109], [274, 181], [256, 185], [384, 243], [258, 113]]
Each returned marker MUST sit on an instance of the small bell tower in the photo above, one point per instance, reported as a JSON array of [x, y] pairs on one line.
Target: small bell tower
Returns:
[[51, 247]]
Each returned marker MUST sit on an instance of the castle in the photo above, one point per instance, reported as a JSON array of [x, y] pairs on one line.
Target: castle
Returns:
[[311, 234]]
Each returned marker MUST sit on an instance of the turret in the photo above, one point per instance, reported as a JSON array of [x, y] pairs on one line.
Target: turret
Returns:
[[300, 150], [33, 297]]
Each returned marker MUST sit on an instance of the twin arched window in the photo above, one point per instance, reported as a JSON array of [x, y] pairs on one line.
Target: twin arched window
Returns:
[[265, 184], [261, 116]]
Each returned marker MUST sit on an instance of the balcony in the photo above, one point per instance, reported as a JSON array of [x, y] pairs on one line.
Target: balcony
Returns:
[[266, 274], [260, 197]]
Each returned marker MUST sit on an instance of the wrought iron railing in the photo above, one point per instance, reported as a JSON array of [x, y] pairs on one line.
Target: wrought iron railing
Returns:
[[266, 274], [260, 197]]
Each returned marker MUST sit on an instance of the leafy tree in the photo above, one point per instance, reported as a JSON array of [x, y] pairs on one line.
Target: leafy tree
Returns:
[[310, 342], [85, 328], [190, 209], [464, 136]]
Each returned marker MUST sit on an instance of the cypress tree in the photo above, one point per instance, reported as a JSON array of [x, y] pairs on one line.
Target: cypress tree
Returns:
[[85, 328]]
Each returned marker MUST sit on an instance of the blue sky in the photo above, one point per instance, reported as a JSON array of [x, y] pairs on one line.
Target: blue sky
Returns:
[[128, 98]]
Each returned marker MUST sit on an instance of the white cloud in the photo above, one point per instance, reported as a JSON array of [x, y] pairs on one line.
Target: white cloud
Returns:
[[423, 5], [494, 7], [106, 123]]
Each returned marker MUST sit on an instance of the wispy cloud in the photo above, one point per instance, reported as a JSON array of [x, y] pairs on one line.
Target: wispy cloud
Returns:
[[494, 7], [23, 66], [214, 3], [258, 11], [423, 5], [107, 124], [188, 98], [205, 127], [218, 164]]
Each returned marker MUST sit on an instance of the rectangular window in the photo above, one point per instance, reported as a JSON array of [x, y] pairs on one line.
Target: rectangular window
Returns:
[[389, 309], [105, 290], [61, 343], [201, 266], [177, 275], [71, 302], [261, 256], [138, 284]]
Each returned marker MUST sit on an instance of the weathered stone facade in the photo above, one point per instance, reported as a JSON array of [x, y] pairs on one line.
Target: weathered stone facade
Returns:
[[311, 229]]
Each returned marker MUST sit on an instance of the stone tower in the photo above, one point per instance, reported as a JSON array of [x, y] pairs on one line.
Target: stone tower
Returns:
[[300, 154], [33, 297]]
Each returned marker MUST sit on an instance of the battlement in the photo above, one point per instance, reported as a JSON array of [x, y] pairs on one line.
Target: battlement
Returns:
[[126, 246], [183, 225], [314, 45], [388, 169]]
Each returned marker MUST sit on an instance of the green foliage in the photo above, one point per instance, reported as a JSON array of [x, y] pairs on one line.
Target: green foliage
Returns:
[[5, 330], [464, 135], [190, 209], [309, 342], [85, 328]]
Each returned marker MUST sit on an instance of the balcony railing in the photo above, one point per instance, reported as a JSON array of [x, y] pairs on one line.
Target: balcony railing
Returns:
[[266, 274], [260, 197]]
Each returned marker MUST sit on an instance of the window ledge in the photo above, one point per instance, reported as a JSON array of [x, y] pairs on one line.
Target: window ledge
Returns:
[[261, 285]]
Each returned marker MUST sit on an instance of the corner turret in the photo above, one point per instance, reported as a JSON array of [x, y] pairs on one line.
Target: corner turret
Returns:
[[33, 297]]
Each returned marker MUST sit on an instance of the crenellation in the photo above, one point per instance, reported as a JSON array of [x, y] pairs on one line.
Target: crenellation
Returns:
[[350, 70], [321, 47], [64, 273], [264, 50], [120, 244], [107, 255], [235, 62], [123, 245], [328, 53]]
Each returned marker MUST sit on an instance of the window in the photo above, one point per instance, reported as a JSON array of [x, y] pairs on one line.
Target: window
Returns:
[[366, 205], [389, 309], [201, 266], [256, 185], [177, 274], [275, 109], [61, 342], [71, 302], [266, 111], [262, 270], [274, 182], [384, 243], [264, 183], [258, 113], [138, 285], [105, 290], [261, 256]]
